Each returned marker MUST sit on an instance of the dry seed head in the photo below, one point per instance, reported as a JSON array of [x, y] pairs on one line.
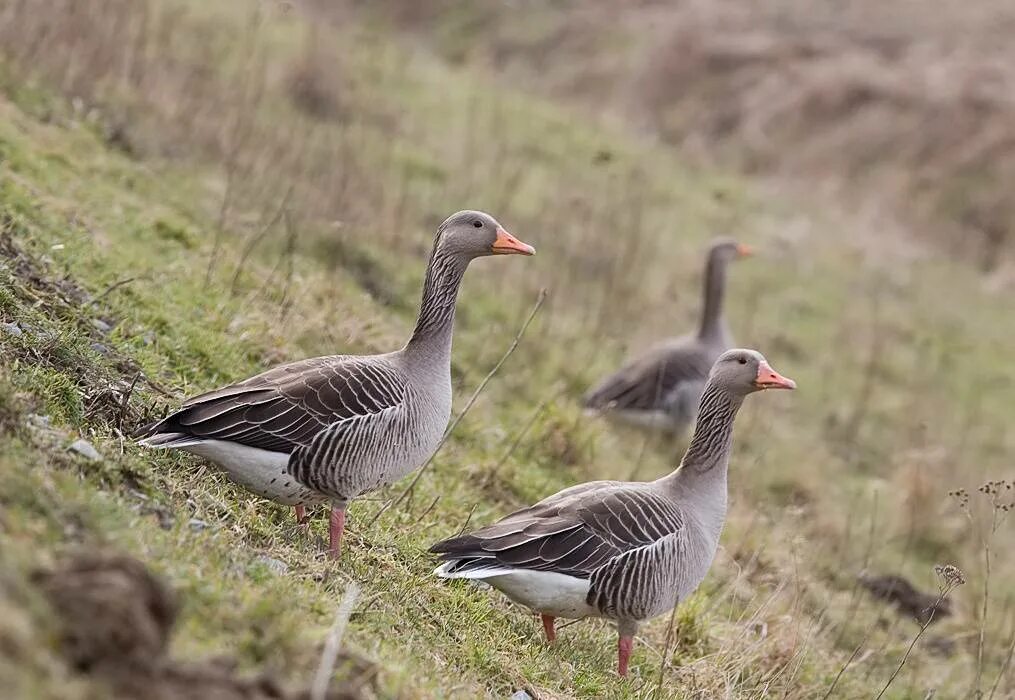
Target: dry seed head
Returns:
[[961, 496], [950, 575]]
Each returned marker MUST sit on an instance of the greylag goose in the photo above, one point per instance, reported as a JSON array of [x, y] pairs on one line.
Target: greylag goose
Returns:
[[660, 389], [625, 551], [332, 428]]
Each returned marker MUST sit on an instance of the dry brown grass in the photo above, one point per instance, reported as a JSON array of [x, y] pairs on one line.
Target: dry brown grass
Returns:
[[911, 107]]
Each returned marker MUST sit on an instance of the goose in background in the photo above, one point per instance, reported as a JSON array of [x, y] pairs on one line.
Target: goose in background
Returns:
[[660, 390], [625, 551], [333, 428]]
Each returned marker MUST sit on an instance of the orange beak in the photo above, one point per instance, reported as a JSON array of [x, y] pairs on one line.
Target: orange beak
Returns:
[[768, 378], [506, 244], [744, 250]]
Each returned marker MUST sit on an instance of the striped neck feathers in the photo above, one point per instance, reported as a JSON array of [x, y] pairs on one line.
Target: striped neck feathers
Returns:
[[713, 431], [440, 293]]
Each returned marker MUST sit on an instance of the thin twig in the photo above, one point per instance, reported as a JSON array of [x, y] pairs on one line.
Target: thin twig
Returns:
[[111, 288], [923, 628], [433, 504], [492, 474], [1004, 667], [290, 252], [319, 688], [666, 652], [982, 636], [468, 519], [856, 652], [257, 237], [126, 398], [468, 405]]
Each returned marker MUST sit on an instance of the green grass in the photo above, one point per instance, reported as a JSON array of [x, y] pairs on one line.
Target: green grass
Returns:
[[897, 402]]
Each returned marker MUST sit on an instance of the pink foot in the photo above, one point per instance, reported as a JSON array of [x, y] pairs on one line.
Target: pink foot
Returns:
[[551, 634], [301, 514], [335, 529], [624, 645]]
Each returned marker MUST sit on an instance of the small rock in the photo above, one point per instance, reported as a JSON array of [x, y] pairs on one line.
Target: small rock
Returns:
[[100, 348], [12, 329], [34, 420], [86, 450], [163, 516], [196, 524], [520, 695], [481, 585], [274, 565], [101, 326], [148, 338]]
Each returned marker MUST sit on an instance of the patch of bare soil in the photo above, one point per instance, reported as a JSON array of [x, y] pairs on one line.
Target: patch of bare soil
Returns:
[[116, 619], [907, 599]]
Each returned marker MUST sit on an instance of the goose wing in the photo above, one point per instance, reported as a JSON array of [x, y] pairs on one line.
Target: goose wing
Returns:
[[284, 408], [574, 532], [646, 383]]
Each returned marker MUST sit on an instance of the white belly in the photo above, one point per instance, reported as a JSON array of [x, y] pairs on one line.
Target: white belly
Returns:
[[261, 471], [545, 592]]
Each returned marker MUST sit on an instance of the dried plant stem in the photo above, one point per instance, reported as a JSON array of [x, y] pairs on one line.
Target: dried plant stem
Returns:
[[319, 688], [1004, 666], [257, 237], [521, 435], [923, 628], [981, 636], [666, 651], [472, 400], [856, 652]]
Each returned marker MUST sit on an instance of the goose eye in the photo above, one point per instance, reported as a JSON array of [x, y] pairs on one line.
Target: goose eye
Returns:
[[742, 360], [477, 224]]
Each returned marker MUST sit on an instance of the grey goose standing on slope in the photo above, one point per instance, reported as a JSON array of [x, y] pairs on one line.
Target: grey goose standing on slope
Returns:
[[660, 389], [626, 551], [332, 428]]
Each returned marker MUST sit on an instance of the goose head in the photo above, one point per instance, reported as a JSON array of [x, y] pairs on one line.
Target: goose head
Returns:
[[726, 249], [473, 234], [743, 372]]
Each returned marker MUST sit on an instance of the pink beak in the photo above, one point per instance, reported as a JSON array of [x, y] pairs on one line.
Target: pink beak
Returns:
[[768, 378], [506, 244]]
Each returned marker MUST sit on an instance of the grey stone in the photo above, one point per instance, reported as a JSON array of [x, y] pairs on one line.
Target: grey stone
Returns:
[[86, 450], [274, 565], [12, 329]]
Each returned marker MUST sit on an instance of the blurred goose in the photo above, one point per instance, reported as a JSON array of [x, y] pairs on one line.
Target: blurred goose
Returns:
[[332, 428], [660, 390], [625, 551]]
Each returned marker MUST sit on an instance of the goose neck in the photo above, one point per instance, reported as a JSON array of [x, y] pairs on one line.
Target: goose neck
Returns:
[[431, 339], [707, 457], [714, 292]]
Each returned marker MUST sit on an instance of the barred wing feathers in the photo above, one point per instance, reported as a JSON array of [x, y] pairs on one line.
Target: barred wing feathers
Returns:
[[286, 407]]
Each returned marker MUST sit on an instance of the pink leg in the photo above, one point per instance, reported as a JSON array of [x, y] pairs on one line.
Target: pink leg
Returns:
[[624, 645], [301, 514], [335, 531], [551, 634]]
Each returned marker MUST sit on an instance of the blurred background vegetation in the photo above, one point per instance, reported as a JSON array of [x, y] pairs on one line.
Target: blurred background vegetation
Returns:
[[192, 191]]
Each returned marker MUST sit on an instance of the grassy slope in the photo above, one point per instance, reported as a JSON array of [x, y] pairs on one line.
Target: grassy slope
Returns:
[[826, 311]]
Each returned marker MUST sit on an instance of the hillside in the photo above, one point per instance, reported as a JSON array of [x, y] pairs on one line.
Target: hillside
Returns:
[[190, 192], [902, 112]]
